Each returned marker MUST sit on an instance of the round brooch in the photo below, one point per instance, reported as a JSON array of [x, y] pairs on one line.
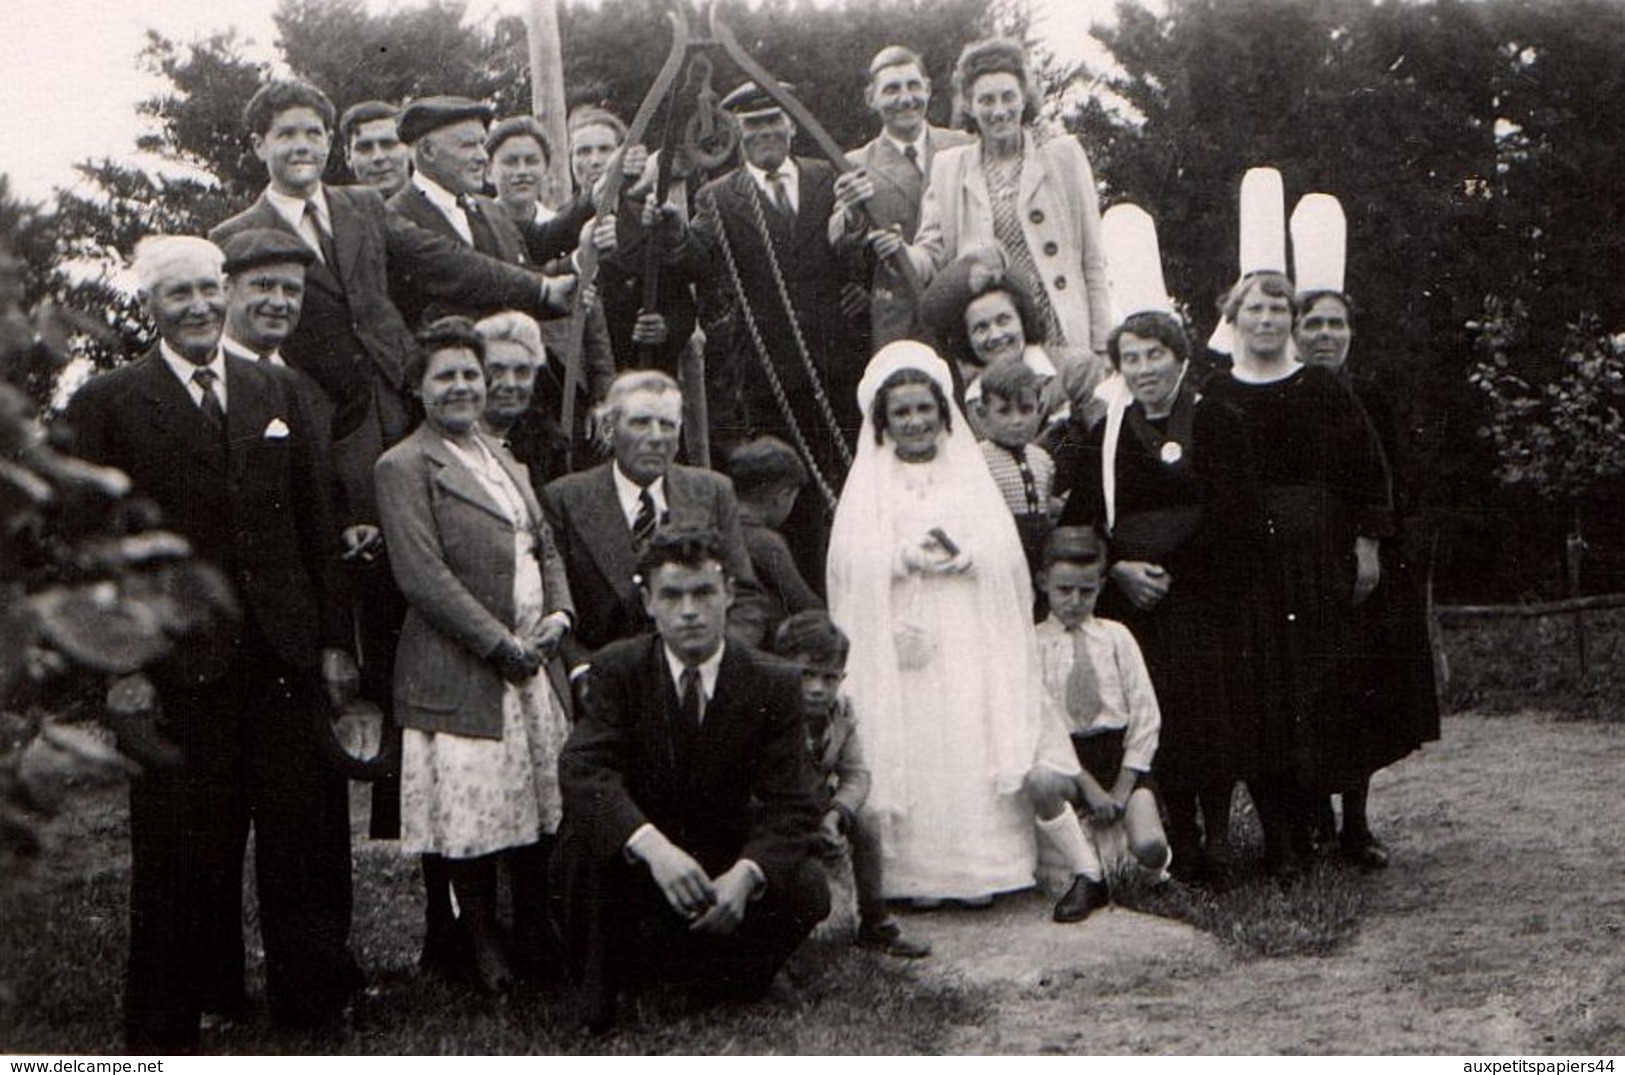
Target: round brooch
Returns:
[[1172, 452]]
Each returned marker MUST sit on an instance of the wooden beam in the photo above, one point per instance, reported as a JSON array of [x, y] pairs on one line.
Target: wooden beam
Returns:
[[547, 100]]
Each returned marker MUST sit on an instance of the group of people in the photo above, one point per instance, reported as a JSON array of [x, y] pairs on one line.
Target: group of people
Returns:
[[443, 476]]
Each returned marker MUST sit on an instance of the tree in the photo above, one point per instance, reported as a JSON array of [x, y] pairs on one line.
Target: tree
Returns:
[[1455, 135]]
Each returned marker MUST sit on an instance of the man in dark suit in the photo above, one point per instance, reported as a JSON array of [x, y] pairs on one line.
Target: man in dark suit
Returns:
[[351, 337], [773, 214], [225, 450], [603, 517], [897, 164], [689, 801]]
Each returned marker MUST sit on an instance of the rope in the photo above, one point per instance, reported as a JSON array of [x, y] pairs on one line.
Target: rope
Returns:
[[777, 386], [819, 395]]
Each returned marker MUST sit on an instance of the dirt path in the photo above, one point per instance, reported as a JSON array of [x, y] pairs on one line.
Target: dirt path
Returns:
[[1500, 928]]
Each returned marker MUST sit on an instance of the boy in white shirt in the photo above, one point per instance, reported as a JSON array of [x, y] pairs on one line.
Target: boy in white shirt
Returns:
[[1095, 674]]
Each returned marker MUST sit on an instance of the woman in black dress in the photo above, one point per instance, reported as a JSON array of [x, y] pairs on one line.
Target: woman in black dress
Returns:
[[1395, 693], [1175, 493], [1326, 502]]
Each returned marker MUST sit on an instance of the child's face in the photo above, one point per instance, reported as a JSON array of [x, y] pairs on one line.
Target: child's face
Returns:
[[1011, 423], [1072, 590], [820, 683], [779, 506]]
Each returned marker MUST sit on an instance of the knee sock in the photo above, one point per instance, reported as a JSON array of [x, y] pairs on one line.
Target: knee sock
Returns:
[[1065, 831]]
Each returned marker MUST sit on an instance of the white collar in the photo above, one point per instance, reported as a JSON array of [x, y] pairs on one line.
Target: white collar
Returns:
[[900, 145], [629, 493], [789, 172], [241, 350], [439, 197], [184, 368], [709, 669], [292, 208]]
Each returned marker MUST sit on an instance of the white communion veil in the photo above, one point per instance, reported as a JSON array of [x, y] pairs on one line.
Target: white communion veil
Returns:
[[991, 665]]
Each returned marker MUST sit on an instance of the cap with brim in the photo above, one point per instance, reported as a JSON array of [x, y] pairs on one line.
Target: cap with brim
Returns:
[[750, 99], [264, 246], [431, 113], [358, 742]]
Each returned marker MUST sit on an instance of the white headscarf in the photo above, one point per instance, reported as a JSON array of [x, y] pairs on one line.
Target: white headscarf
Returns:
[[862, 560]]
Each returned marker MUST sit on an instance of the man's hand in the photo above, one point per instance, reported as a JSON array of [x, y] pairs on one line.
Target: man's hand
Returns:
[[1367, 568], [685, 885], [886, 242], [733, 892], [1144, 584], [340, 676], [558, 292], [362, 543], [650, 329], [603, 234], [852, 189], [830, 834], [1099, 801]]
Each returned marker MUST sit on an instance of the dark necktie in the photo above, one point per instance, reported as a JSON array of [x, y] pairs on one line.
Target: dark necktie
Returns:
[[1082, 685], [690, 714], [780, 194], [213, 412], [643, 527], [324, 241], [478, 226], [912, 155]]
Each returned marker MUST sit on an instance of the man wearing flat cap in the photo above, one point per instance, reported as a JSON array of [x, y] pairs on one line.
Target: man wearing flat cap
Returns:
[[774, 214], [225, 450], [447, 138], [373, 147]]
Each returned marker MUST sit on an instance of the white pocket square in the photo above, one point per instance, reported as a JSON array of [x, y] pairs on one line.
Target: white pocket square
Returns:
[[276, 430]]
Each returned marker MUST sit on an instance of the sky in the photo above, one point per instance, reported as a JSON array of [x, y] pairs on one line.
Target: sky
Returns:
[[69, 81]]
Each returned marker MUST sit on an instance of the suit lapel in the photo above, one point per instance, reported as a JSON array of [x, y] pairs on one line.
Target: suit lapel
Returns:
[[250, 410], [177, 418], [974, 183], [519, 475], [454, 478], [604, 527], [348, 227]]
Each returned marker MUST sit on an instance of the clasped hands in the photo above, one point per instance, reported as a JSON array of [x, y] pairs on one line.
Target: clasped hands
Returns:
[[1144, 584], [709, 905], [928, 557], [518, 658]]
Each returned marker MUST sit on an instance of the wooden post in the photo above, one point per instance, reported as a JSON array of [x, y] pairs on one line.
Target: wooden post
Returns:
[[1574, 554], [547, 99]]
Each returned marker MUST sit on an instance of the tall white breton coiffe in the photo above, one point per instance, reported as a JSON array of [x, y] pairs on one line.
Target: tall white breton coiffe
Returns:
[[1262, 246], [1134, 275], [1320, 236]]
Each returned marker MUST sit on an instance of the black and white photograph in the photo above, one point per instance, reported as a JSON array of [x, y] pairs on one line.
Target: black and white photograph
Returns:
[[812, 527]]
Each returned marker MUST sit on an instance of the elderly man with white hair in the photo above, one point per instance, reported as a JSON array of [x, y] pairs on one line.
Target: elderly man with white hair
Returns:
[[602, 518], [224, 448]]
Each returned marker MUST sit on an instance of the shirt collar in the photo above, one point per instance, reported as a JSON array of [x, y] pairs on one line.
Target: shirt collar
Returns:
[[900, 145], [628, 493], [242, 350], [439, 197], [292, 209], [183, 368], [790, 172], [709, 669]]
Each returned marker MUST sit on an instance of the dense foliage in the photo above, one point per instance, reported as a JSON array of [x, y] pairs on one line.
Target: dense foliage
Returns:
[[1475, 147]]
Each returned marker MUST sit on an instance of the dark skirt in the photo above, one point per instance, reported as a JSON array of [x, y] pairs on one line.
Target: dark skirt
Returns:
[[1194, 645], [1395, 692], [1305, 638]]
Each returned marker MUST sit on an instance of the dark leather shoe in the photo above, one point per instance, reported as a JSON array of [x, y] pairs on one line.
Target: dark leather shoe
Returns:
[[1366, 853], [887, 939], [1082, 899]]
